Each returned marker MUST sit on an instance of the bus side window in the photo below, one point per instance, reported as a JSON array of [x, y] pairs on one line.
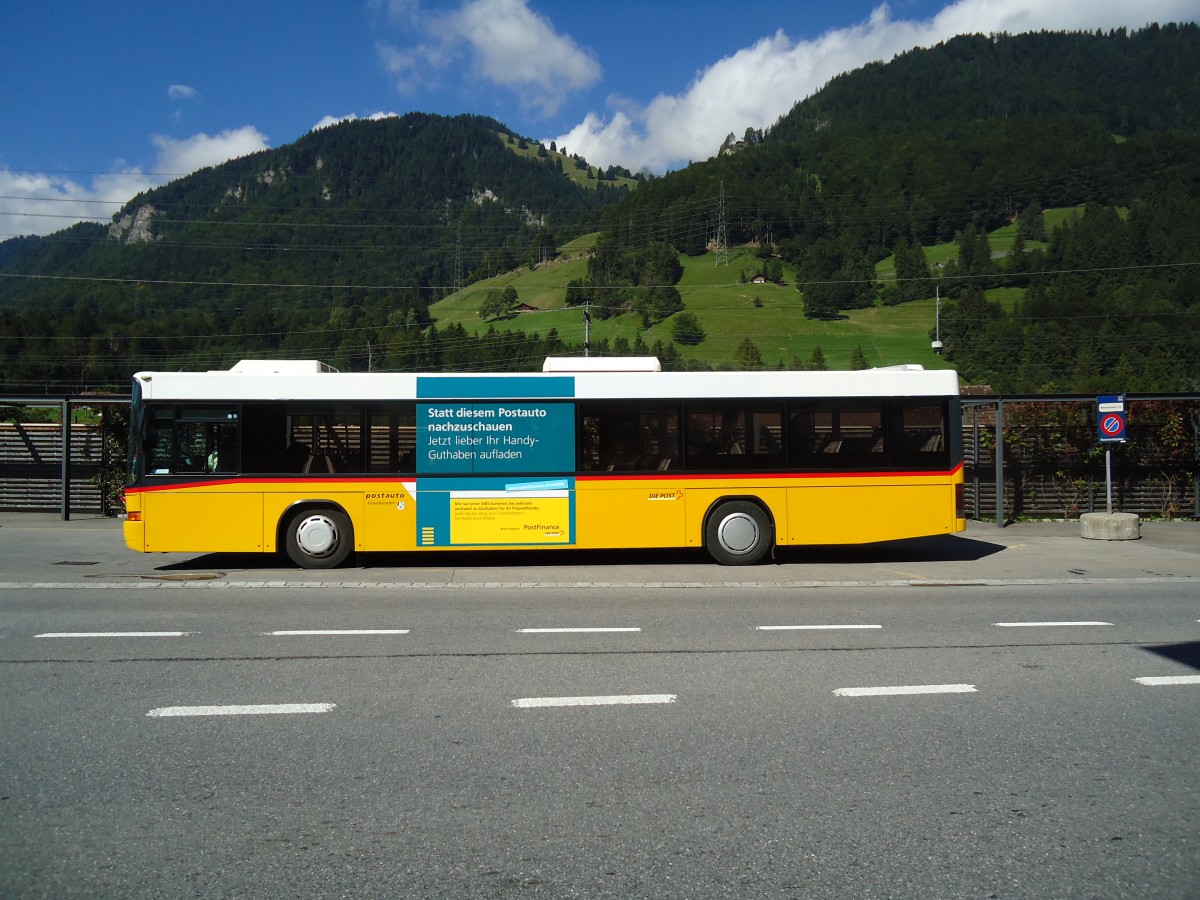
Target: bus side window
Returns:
[[392, 434], [264, 439], [837, 435], [619, 439], [920, 428], [742, 436], [334, 432], [160, 441]]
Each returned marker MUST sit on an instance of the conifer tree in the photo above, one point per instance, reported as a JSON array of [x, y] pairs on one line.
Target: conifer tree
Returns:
[[747, 357]]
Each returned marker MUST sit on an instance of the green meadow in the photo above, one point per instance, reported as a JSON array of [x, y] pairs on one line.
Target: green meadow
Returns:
[[771, 316], [731, 309]]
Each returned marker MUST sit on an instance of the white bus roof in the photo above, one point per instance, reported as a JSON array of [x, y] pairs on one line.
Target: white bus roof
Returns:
[[299, 380]]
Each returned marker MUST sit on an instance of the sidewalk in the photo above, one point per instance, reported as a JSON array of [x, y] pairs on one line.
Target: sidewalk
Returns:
[[40, 548]]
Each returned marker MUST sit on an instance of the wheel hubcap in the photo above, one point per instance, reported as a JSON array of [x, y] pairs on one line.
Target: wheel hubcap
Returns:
[[738, 533], [317, 535]]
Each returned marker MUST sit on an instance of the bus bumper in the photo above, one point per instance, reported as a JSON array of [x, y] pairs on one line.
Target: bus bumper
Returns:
[[134, 528]]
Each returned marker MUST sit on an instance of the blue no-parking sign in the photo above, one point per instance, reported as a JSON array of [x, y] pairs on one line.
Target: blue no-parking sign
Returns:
[[1110, 418]]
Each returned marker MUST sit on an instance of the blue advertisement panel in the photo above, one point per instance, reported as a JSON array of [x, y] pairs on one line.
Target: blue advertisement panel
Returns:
[[494, 387], [496, 438], [492, 458]]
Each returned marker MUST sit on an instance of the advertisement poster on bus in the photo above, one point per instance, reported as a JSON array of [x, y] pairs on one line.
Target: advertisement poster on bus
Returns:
[[497, 440]]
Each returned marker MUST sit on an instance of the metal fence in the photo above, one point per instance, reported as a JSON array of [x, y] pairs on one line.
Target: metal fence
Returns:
[[63, 466], [1040, 457], [31, 469]]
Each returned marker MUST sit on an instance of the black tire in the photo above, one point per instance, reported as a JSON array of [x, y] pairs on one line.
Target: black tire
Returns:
[[318, 538], [738, 533]]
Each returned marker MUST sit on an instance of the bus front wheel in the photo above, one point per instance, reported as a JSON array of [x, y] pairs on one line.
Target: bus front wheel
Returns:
[[318, 538], [738, 533]]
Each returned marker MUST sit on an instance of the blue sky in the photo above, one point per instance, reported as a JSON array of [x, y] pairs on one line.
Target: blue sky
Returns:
[[100, 101]]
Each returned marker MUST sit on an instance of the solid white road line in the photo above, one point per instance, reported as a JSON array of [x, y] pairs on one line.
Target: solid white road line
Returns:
[[337, 631], [99, 634], [1158, 680], [620, 699], [814, 627], [263, 709], [901, 689], [1044, 624], [572, 630]]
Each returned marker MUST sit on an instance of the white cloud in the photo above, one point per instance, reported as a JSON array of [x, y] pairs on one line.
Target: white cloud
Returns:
[[520, 50], [43, 203], [40, 203], [506, 43], [415, 67], [181, 92], [180, 157], [399, 11], [756, 85], [326, 121]]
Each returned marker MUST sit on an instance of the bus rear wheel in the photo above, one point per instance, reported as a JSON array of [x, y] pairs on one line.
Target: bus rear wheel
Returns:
[[318, 538], [738, 533]]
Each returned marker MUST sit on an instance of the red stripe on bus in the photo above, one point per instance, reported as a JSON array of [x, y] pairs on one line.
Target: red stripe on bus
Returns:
[[294, 480]]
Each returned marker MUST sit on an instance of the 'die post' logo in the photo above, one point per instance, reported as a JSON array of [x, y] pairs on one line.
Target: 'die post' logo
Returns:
[[666, 495]]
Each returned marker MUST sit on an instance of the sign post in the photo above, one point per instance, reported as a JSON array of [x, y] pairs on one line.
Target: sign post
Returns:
[[1110, 427]]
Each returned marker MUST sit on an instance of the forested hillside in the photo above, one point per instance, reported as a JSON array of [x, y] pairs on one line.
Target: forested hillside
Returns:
[[338, 245], [333, 246], [947, 144]]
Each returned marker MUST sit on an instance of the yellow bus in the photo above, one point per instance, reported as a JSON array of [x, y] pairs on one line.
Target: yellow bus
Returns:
[[590, 453]]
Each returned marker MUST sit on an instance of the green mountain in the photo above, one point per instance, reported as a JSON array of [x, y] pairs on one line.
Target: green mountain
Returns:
[[329, 246], [1129, 83], [1039, 195], [947, 146]]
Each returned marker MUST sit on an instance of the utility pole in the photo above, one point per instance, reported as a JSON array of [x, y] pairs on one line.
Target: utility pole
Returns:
[[458, 275], [722, 249], [937, 322], [587, 327]]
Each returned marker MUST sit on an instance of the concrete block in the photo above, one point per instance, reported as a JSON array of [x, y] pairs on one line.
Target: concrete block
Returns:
[[1110, 526]]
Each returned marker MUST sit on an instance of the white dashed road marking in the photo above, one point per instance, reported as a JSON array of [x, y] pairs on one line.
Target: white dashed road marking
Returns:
[[901, 689], [121, 634], [262, 709], [814, 627], [572, 630], [355, 631], [618, 700], [1045, 624], [1161, 680]]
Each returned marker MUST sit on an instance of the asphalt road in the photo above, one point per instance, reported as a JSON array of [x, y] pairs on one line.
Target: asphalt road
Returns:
[[1009, 713]]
